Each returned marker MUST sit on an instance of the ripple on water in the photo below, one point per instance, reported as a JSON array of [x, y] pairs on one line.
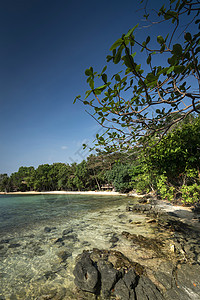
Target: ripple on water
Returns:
[[40, 261]]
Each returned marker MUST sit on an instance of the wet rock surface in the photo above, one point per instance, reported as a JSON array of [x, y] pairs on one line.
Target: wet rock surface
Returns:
[[177, 274], [111, 275]]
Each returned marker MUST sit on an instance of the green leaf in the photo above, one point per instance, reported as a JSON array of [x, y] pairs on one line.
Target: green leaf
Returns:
[[104, 77], [87, 72], [91, 83], [148, 40], [148, 59], [116, 44], [179, 69], [101, 87], [104, 69], [177, 49], [117, 77], [160, 39], [108, 58], [87, 94], [131, 31], [77, 97], [171, 69], [128, 62], [188, 36], [170, 14], [118, 55]]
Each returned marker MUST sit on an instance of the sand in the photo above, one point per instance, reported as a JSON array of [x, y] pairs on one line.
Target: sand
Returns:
[[106, 193]]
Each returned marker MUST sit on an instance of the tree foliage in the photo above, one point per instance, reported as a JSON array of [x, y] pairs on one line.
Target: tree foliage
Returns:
[[167, 81]]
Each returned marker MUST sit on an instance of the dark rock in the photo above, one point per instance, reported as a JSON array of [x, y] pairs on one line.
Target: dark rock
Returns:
[[121, 290], [67, 231], [109, 277], [31, 236], [86, 275], [14, 245], [71, 237], [59, 240], [142, 200], [188, 280], [147, 290], [63, 255], [177, 293], [114, 239], [196, 208], [125, 287], [145, 242], [164, 279], [130, 279], [1, 247], [50, 275], [38, 251], [86, 243], [4, 241], [122, 216], [47, 229]]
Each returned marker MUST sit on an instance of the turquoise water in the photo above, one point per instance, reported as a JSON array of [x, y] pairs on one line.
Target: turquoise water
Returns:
[[18, 212], [41, 236]]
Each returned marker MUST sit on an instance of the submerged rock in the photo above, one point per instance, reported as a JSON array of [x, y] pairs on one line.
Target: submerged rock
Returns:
[[63, 255], [47, 229], [14, 245]]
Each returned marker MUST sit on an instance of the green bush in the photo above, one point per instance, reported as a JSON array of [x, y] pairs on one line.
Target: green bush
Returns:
[[119, 177], [164, 189], [190, 193]]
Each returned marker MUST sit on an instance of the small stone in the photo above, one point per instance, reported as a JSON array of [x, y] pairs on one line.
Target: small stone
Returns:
[[136, 223], [4, 241], [67, 231], [114, 239], [59, 240], [14, 245], [50, 275], [63, 255], [47, 229], [122, 216]]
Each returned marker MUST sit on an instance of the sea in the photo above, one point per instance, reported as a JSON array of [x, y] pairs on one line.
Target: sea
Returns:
[[42, 235]]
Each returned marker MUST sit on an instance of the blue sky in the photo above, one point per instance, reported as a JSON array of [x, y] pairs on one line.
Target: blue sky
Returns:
[[45, 47]]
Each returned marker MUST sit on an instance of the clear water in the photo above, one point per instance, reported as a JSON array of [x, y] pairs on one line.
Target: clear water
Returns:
[[41, 235], [19, 212]]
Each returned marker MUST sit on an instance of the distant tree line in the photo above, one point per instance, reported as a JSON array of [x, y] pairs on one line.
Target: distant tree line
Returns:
[[170, 168]]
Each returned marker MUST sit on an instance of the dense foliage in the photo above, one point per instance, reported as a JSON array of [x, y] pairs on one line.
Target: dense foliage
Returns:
[[158, 80], [171, 169]]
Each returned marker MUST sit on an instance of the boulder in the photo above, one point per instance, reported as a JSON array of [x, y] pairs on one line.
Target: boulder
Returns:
[[86, 274], [109, 277]]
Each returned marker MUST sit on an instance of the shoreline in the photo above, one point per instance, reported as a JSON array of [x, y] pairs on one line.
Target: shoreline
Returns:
[[68, 193]]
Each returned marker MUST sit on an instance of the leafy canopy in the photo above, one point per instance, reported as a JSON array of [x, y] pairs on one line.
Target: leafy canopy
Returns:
[[143, 100]]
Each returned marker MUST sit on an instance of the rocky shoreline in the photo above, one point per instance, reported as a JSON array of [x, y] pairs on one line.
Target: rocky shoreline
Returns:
[[167, 267], [139, 248]]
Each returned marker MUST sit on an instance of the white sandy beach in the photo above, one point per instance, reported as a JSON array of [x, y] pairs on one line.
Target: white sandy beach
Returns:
[[106, 193]]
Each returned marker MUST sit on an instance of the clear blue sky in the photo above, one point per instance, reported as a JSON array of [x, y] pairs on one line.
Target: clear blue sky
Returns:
[[45, 47]]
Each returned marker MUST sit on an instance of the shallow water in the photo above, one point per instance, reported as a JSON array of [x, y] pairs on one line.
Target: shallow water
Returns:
[[41, 235]]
